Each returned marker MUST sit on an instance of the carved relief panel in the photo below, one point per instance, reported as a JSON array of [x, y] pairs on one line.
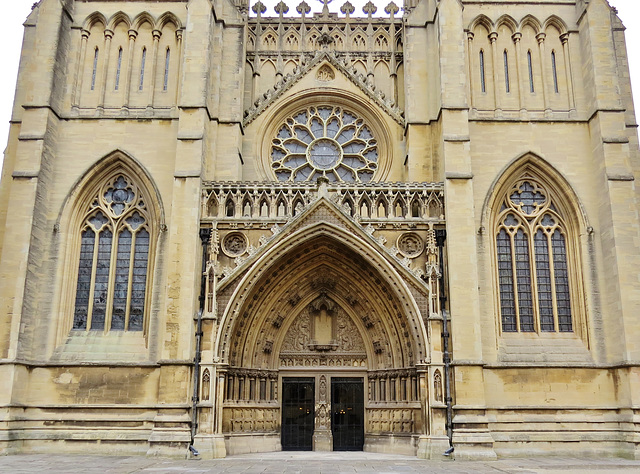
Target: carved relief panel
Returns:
[[323, 331]]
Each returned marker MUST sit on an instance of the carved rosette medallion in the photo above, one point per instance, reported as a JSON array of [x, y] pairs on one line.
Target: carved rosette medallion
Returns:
[[235, 244], [410, 244]]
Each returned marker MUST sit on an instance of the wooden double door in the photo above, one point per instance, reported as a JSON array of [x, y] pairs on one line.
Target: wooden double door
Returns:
[[298, 413]]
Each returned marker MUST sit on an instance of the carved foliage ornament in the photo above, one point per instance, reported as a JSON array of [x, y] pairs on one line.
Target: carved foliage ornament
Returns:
[[325, 74]]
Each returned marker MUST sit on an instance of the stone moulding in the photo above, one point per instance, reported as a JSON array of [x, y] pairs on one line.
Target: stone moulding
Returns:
[[270, 96]]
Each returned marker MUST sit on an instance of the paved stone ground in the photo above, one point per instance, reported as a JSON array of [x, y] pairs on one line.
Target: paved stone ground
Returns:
[[307, 463]]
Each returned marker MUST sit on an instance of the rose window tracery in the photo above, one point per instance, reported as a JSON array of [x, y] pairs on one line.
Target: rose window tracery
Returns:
[[328, 142]]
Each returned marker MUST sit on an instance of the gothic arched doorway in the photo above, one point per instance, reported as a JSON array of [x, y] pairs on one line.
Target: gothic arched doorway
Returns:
[[328, 329]]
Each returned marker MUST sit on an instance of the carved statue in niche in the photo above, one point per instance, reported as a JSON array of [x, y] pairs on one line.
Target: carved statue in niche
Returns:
[[206, 385], [325, 335], [437, 386], [322, 392], [323, 311]]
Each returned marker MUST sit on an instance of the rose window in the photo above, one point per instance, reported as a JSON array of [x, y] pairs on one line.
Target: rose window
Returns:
[[325, 142]]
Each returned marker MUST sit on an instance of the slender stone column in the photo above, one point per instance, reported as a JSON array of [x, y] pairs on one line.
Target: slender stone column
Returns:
[[108, 36], [154, 66], [567, 66], [519, 76], [179, 58], [133, 34], [543, 71], [493, 37], [470, 36], [77, 87]]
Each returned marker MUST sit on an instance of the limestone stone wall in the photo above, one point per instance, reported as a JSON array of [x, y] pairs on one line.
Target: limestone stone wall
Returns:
[[183, 96]]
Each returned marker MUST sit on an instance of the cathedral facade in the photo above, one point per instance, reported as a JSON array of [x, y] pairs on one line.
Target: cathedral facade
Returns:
[[231, 228]]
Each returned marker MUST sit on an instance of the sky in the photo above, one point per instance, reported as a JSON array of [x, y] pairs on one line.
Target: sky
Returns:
[[16, 11]]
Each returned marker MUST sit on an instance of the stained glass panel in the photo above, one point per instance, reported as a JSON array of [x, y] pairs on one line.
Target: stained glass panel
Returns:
[[327, 142], [543, 271], [523, 278], [541, 281], [139, 280], [121, 288], [505, 274], [563, 299], [101, 284], [83, 289], [528, 198]]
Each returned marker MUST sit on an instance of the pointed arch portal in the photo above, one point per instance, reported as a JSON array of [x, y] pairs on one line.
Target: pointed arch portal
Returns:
[[322, 343]]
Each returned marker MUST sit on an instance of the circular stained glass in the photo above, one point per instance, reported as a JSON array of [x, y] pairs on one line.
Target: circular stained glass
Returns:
[[324, 154], [325, 142]]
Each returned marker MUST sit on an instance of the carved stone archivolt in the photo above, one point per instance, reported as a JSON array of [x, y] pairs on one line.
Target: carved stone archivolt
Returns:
[[292, 295]]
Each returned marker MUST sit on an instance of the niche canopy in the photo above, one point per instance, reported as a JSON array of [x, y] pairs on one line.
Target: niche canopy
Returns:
[[324, 141]]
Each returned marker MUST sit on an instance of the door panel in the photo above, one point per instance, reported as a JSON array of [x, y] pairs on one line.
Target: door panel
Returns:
[[347, 413], [298, 401]]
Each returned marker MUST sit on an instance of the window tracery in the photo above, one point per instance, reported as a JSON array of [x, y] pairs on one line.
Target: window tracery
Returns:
[[326, 142], [533, 261], [113, 261]]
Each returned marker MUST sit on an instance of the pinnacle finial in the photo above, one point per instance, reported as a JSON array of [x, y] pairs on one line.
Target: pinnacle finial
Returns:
[[259, 7], [369, 9], [303, 7], [281, 8], [391, 9], [347, 8]]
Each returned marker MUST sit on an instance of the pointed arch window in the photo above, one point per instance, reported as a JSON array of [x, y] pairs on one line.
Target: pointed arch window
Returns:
[[113, 263], [507, 81], [94, 70], [167, 61], [533, 261], [118, 69], [532, 87], [554, 71], [483, 82], [142, 66]]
